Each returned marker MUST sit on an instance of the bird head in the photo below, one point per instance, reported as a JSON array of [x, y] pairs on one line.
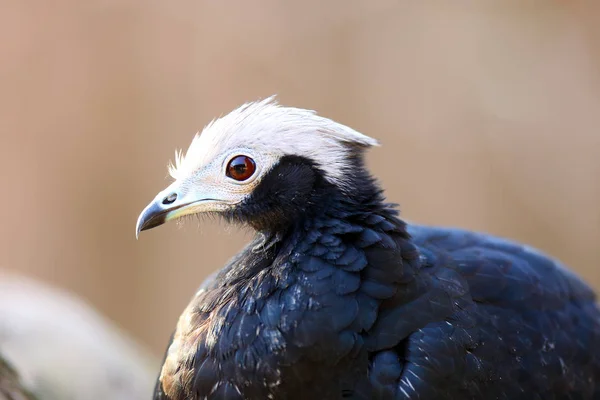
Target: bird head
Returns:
[[259, 165]]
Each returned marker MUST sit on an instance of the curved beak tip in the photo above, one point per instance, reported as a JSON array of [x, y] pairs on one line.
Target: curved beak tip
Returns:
[[152, 216], [139, 226]]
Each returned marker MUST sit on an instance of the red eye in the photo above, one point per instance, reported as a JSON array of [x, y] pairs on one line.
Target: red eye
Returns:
[[240, 168]]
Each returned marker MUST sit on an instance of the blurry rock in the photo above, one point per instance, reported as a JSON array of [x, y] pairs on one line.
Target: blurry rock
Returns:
[[63, 349], [11, 387]]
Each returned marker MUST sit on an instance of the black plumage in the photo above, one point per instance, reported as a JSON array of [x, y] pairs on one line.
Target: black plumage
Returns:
[[338, 298]]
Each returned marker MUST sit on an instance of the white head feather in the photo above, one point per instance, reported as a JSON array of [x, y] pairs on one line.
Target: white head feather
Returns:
[[270, 131]]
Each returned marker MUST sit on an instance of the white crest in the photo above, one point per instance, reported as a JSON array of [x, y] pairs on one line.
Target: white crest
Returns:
[[273, 130]]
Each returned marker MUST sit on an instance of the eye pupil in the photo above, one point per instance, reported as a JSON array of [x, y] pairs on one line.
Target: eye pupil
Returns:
[[241, 168]]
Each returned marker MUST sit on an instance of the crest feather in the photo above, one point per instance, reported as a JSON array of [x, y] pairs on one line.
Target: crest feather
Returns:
[[268, 127]]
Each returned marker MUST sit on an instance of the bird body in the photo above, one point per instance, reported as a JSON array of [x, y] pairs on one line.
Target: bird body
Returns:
[[338, 298]]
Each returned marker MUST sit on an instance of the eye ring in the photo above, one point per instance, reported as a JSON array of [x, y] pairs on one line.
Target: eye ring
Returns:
[[240, 168]]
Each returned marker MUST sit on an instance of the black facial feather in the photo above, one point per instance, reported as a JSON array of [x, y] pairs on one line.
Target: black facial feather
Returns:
[[296, 189]]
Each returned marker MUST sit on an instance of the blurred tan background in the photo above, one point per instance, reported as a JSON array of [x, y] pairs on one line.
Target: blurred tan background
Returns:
[[488, 112]]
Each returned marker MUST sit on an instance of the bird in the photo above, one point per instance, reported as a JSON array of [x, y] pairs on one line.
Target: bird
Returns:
[[337, 297]]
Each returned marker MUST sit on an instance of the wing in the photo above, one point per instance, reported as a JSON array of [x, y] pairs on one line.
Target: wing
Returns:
[[501, 272], [532, 321]]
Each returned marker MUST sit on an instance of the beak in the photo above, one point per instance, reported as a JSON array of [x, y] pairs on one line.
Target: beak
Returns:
[[162, 209], [155, 214], [175, 202]]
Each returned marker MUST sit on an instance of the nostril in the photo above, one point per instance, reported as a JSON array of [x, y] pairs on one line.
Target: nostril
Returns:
[[170, 199]]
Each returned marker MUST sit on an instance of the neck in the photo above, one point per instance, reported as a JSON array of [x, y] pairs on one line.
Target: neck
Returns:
[[330, 204], [296, 198]]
